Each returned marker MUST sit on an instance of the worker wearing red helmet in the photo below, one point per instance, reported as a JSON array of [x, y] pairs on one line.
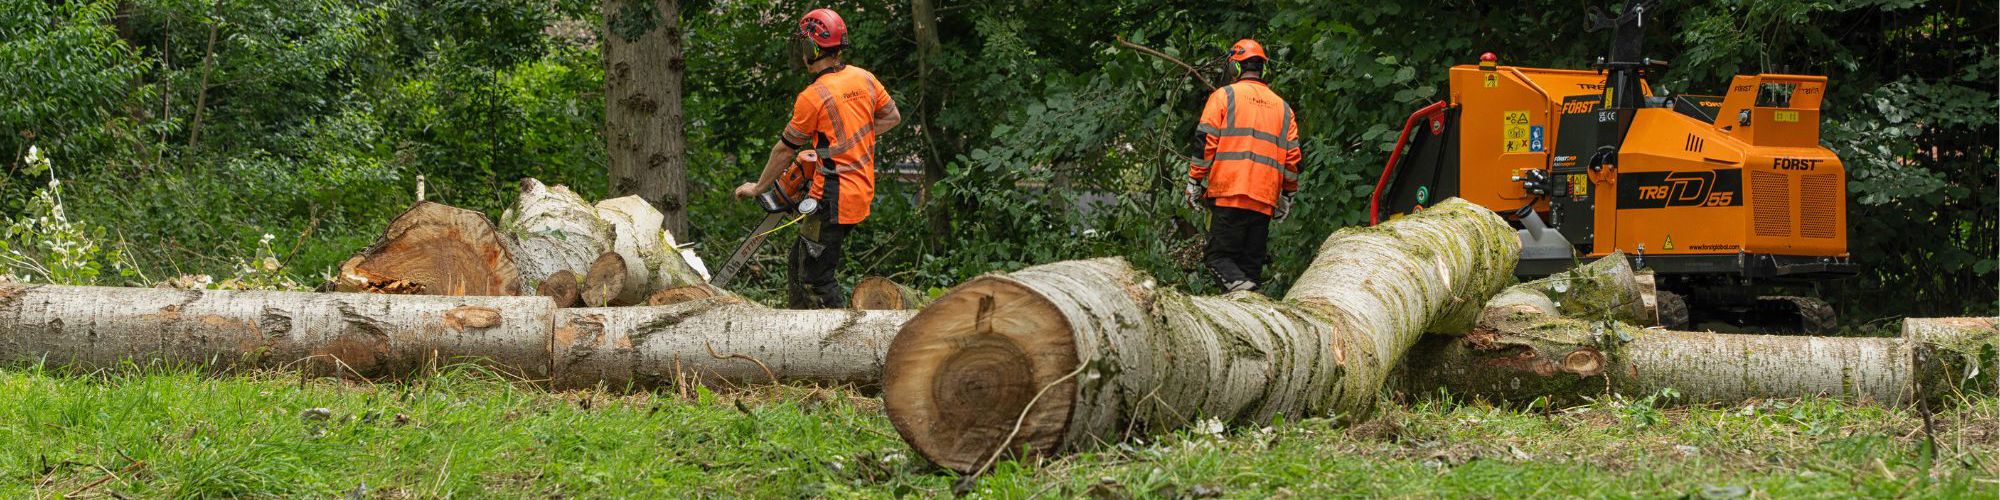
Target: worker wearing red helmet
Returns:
[[838, 117], [1250, 163]]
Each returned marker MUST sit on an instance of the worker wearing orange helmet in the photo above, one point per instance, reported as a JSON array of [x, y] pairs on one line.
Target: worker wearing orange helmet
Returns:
[[1250, 163], [837, 118]]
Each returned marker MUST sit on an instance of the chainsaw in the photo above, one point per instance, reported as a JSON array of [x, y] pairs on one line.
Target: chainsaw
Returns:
[[791, 194]]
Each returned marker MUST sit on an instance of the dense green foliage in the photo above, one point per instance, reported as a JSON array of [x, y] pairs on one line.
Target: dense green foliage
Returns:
[[1050, 139], [156, 433]]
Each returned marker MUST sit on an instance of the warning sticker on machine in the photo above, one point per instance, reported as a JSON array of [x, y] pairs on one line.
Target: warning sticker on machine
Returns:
[[1514, 132]]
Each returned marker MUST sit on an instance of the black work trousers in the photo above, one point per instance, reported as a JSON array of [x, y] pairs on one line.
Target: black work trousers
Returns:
[[811, 282], [1237, 240]]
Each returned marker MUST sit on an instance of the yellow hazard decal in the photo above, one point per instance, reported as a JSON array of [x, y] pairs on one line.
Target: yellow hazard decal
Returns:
[[1492, 81], [1579, 186], [1785, 116], [1670, 242], [1515, 132]]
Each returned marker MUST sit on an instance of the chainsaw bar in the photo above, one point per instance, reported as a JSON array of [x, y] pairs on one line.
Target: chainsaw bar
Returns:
[[748, 248]]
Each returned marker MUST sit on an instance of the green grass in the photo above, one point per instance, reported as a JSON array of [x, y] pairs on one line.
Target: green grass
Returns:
[[175, 433]]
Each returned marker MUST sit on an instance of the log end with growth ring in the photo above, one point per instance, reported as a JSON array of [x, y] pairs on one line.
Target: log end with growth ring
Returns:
[[876, 293], [605, 280], [959, 374], [434, 249]]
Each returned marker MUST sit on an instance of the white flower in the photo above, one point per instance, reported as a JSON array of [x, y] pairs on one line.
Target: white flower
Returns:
[[267, 238]]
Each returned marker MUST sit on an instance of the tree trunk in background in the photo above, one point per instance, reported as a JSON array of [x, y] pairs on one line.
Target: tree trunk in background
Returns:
[[931, 91], [433, 249], [876, 293], [369, 335], [642, 100], [1064, 356], [719, 340], [1569, 337]]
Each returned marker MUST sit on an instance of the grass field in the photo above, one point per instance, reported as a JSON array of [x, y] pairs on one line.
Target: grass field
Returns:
[[174, 433]]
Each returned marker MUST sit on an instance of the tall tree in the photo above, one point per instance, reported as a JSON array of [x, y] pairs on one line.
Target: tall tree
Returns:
[[642, 105]]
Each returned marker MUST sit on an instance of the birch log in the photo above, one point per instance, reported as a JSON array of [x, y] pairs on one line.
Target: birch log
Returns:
[[1524, 349], [876, 293], [369, 335], [433, 249], [720, 340], [554, 230], [1063, 356], [651, 261]]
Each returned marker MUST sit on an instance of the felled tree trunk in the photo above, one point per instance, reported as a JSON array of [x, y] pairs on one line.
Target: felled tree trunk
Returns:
[[719, 340], [1565, 339], [876, 293], [1063, 356], [554, 230], [369, 335], [433, 249]]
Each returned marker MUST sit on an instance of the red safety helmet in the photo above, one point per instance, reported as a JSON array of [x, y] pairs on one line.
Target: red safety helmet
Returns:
[[824, 28], [1246, 49]]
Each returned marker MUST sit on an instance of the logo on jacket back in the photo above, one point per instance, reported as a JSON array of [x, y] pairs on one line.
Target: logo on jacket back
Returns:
[[1717, 188]]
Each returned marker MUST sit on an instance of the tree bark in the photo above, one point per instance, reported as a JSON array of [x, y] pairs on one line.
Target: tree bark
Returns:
[[931, 94], [1526, 348], [1063, 356], [719, 340], [554, 230], [876, 293], [433, 249], [642, 96], [367, 335]]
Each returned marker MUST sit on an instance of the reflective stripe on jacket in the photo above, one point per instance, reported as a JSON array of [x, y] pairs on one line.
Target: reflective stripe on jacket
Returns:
[[1251, 147], [842, 103]]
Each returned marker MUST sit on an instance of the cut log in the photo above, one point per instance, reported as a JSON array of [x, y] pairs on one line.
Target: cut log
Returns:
[[876, 293], [563, 288], [688, 293], [1063, 356], [349, 334], [606, 280], [1524, 350], [719, 340], [652, 263], [434, 249], [554, 230]]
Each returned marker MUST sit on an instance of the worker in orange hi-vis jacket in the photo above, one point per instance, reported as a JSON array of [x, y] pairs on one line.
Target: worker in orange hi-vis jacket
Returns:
[[1250, 161], [837, 117]]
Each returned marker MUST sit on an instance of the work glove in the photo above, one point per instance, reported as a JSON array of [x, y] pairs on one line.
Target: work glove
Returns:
[[1284, 207], [1194, 193]]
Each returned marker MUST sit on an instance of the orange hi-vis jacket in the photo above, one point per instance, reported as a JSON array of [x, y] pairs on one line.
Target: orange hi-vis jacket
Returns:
[[1251, 151], [841, 107]]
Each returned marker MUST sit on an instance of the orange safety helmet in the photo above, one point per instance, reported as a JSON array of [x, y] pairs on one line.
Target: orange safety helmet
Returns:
[[1246, 49], [824, 28]]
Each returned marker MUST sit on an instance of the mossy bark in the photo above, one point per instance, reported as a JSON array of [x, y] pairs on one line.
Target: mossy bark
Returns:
[[1569, 338], [1101, 353]]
